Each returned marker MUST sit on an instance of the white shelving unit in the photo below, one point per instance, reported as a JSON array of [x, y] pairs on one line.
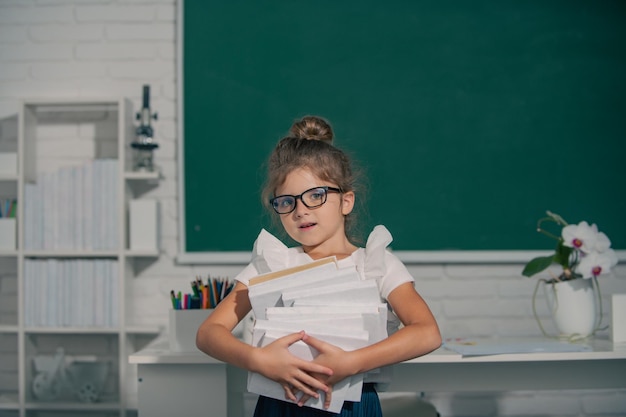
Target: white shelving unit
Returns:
[[98, 128]]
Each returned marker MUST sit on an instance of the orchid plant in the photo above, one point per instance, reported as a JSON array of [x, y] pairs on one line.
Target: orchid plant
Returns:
[[581, 251]]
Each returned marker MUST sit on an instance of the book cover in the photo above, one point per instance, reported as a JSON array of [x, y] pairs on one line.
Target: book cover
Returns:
[[291, 271]]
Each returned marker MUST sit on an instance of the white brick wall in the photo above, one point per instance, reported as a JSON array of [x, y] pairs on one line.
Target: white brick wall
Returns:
[[78, 48]]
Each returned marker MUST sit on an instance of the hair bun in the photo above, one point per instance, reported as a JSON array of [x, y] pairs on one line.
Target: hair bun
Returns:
[[312, 128]]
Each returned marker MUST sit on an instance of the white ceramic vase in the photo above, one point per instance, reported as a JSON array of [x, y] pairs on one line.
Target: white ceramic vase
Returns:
[[573, 306]]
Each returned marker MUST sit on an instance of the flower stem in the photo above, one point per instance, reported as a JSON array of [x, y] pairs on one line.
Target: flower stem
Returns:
[[555, 277], [551, 218]]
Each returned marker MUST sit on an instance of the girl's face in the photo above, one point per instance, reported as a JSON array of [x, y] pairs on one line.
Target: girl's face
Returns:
[[319, 230]]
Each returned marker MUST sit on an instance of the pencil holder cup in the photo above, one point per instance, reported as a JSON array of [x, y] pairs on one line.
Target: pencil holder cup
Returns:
[[183, 328], [8, 234]]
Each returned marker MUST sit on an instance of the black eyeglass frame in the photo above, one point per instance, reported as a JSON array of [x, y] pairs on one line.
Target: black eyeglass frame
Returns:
[[326, 189]]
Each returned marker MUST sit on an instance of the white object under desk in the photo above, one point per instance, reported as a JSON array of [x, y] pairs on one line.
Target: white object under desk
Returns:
[[194, 384]]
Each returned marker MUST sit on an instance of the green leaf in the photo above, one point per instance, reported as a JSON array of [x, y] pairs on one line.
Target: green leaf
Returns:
[[562, 254], [537, 265]]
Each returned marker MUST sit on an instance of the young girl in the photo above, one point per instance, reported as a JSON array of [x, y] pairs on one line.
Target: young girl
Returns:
[[311, 188]]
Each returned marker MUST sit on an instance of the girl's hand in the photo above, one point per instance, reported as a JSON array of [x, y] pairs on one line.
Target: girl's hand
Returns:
[[332, 357], [275, 362]]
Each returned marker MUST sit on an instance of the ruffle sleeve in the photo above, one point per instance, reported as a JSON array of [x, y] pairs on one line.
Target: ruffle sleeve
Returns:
[[375, 253], [381, 264], [270, 254]]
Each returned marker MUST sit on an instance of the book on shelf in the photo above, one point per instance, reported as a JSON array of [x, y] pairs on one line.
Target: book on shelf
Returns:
[[73, 208], [85, 217], [70, 293]]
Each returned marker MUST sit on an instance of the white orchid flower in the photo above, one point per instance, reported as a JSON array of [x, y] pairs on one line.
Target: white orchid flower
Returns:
[[597, 263], [582, 236], [603, 242], [591, 253]]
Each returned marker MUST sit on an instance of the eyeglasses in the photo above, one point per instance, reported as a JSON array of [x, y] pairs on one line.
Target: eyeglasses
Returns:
[[311, 198]]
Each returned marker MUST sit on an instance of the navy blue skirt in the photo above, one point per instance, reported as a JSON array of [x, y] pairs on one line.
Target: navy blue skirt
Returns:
[[369, 406]]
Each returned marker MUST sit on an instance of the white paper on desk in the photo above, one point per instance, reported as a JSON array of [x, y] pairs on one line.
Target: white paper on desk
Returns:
[[482, 347], [347, 390], [269, 293], [362, 292]]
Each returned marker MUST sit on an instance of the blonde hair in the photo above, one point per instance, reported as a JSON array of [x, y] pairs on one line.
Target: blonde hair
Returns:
[[309, 144]]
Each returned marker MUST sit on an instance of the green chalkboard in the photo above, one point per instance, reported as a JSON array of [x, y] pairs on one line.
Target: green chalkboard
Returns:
[[469, 119]]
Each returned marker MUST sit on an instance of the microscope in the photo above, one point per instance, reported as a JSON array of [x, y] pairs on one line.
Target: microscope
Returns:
[[144, 144]]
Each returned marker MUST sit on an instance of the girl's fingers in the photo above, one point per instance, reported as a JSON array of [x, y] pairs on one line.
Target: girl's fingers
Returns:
[[300, 378], [316, 368], [289, 394], [303, 400], [308, 386], [290, 339], [327, 399], [314, 342]]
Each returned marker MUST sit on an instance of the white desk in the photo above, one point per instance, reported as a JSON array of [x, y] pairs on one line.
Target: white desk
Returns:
[[193, 384]]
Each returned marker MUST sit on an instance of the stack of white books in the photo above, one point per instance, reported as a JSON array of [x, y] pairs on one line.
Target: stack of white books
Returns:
[[327, 302]]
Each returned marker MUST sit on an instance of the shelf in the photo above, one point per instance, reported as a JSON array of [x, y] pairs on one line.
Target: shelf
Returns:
[[142, 253], [78, 268], [70, 254], [73, 105], [9, 402], [149, 330], [8, 328], [98, 406], [72, 330], [132, 329], [142, 176]]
